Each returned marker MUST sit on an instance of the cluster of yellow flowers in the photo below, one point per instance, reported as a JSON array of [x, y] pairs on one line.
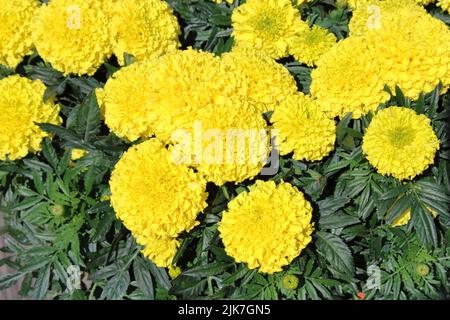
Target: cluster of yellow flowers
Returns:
[[276, 28], [76, 36], [173, 96], [185, 108]]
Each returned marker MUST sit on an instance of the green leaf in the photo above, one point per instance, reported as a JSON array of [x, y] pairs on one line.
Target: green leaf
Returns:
[[336, 252], [117, 286], [186, 286], [423, 223], [143, 278], [89, 117], [42, 284], [160, 275], [335, 221], [332, 204], [399, 207], [208, 270], [10, 279]]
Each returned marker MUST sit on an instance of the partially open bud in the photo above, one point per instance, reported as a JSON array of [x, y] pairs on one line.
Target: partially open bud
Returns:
[[174, 271], [290, 282], [57, 210], [422, 269]]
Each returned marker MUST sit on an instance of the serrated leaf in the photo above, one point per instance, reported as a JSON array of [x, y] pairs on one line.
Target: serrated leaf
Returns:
[[208, 270], [423, 223], [143, 278], [336, 252], [10, 279]]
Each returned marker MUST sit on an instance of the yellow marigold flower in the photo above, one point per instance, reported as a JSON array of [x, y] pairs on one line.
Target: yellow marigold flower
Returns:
[[377, 14], [404, 218], [444, 4], [347, 79], [78, 154], [310, 45], [15, 30], [301, 127], [21, 107], [161, 250], [400, 143], [266, 91], [410, 46], [143, 28], [267, 25], [73, 35], [267, 227], [152, 195], [356, 4], [124, 102]]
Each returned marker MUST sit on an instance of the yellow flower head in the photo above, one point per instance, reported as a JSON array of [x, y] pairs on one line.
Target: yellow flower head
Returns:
[[444, 4], [347, 79], [266, 91], [413, 51], [400, 143], [267, 25], [357, 4], [143, 28], [310, 45], [160, 250], [73, 35], [267, 227], [15, 30], [301, 127], [152, 195], [376, 14], [21, 107], [124, 102]]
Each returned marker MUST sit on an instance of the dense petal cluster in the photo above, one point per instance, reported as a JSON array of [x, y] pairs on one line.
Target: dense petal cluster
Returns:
[[21, 108], [444, 4], [267, 25], [124, 102], [400, 143], [414, 52], [310, 45], [267, 227], [266, 91], [347, 79], [73, 35], [410, 45], [182, 95], [143, 28], [302, 128], [378, 14], [15, 30], [155, 198]]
